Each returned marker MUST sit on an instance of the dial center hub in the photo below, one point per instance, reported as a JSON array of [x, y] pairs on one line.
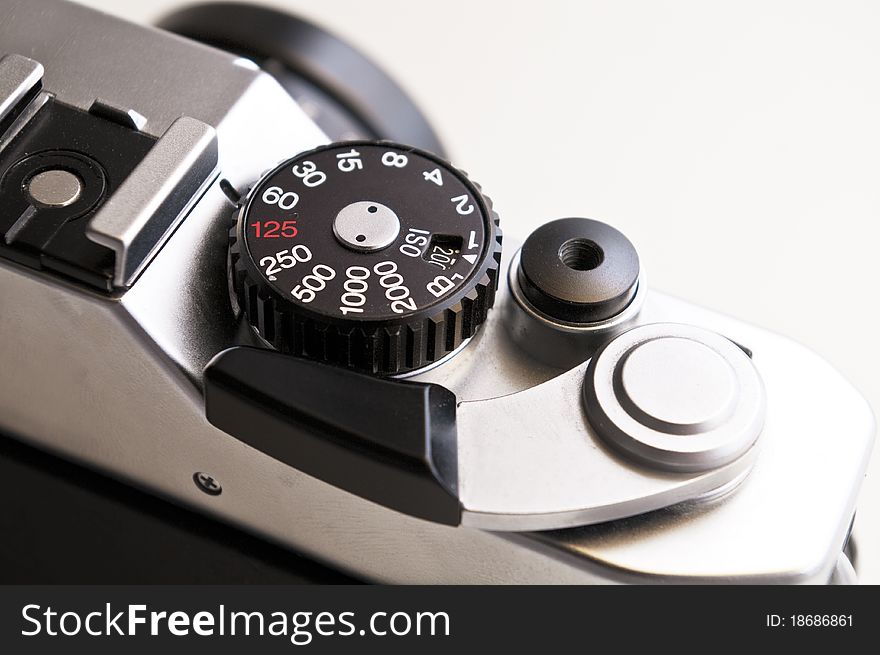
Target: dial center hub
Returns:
[[366, 226]]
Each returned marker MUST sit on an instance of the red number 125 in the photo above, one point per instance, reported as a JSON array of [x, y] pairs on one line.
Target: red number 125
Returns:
[[275, 229]]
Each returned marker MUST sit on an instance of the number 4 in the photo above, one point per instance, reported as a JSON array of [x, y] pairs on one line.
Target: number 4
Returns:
[[434, 176]]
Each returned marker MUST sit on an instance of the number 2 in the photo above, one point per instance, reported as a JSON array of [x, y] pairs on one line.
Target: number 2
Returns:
[[463, 207]]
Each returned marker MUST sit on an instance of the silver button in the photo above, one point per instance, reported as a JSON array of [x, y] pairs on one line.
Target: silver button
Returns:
[[366, 226], [675, 396], [55, 188], [676, 385]]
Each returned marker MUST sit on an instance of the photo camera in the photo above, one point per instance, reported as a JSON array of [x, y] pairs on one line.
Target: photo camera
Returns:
[[238, 271]]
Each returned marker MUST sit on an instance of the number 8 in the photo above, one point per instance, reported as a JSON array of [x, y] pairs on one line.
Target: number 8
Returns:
[[394, 159]]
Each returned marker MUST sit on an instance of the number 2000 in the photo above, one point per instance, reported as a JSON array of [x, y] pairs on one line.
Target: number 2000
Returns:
[[395, 290]]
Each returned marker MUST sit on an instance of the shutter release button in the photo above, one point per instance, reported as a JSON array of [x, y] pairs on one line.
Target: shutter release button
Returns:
[[675, 397], [676, 385]]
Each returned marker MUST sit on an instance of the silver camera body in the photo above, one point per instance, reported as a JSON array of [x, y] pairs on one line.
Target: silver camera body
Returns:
[[578, 458]]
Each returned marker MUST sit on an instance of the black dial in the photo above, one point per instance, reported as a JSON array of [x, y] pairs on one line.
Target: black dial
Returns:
[[370, 255]]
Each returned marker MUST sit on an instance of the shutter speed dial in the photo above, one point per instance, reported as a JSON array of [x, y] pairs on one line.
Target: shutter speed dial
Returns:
[[370, 255]]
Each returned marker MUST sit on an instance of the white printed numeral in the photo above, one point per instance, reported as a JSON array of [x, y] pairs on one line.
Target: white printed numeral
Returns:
[[349, 161], [462, 206], [395, 290], [394, 159], [313, 283], [309, 174], [285, 259], [275, 195], [434, 176], [355, 286]]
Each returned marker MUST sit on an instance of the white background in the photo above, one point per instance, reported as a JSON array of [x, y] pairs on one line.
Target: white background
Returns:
[[737, 144]]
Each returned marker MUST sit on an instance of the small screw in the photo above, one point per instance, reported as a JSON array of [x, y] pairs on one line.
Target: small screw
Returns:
[[207, 483]]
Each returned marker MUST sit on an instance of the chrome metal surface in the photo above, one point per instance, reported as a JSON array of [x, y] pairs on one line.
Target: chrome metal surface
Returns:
[[675, 396], [786, 521], [88, 54], [815, 422], [18, 76], [795, 527], [493, 364], [440, 363], [366, 226], [54, 188], [540, 434], [531, 461], [844, 573], [23, 119], [157, 194]]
